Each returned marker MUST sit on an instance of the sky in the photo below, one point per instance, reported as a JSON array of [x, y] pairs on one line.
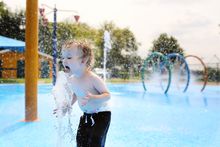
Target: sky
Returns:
[[194, 23]]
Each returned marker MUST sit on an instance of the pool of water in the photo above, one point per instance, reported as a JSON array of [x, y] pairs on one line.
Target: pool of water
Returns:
[[139, 119]]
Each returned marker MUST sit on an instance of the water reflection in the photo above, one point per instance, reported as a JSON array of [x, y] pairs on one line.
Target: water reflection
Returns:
[[192, 98]]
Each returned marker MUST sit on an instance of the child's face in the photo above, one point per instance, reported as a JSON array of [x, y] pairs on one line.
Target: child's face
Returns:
[[72, 61]]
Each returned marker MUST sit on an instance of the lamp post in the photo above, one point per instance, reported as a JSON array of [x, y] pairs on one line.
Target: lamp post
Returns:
[[54, 36]]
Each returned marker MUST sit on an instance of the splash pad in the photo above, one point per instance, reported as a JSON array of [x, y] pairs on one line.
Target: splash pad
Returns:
[[164, 66]]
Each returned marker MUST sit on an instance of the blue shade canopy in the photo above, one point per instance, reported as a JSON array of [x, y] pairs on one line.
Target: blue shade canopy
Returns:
[[12, 44]]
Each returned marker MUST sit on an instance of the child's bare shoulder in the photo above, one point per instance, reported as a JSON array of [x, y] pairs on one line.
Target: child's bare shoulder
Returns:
[[98, 83], [96, 80], [95, 77]]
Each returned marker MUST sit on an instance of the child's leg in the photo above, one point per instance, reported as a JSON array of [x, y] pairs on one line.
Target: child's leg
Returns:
[[93, 135], [100, 129], [82, 137]]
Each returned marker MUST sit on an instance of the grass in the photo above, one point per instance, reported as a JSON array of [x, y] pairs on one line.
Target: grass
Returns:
[[48, 80], [41, 80], [112, 80], [120, 80]]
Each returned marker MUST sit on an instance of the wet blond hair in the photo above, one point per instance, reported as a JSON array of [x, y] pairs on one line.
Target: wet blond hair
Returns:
[[83, 46]]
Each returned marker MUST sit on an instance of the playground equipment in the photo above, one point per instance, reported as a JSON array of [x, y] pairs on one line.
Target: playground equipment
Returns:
[[182, 64], [31, 60], [205, 75], [159, 63]]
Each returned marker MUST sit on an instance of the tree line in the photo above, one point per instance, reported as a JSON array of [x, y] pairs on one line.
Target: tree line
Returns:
[[122, 59]]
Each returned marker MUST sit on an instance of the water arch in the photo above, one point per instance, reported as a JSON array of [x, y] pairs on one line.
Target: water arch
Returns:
[[178, 56], [205, 75], [156, 60]]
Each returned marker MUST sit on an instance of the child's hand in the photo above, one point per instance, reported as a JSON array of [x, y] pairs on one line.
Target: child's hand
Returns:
[[88, 95], [61, 111], [85, 100], [55, 112]]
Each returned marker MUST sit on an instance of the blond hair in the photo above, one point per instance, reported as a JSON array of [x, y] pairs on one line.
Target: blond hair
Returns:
[[84, 46]]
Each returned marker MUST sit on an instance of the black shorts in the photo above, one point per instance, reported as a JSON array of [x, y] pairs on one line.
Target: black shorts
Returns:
[[92, 129]]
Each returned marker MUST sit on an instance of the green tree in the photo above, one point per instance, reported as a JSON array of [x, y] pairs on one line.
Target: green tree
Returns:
[[166, 45], [65, 31], [123, 55], [45, 38], [213, 74], [10, 23], [68, 31]]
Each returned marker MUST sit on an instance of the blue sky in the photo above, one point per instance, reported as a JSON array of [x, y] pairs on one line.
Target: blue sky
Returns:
[[193, 22]]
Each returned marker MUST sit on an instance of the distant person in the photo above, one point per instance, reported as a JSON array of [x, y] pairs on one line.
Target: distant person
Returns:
[[91, 93]]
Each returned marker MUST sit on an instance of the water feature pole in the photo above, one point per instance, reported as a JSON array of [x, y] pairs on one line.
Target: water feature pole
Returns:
[[31, 60], [104, 68], [107, 46], [54, 45], [54, 37]]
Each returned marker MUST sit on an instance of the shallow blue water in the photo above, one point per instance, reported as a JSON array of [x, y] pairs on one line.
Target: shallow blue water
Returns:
[[139, 119]]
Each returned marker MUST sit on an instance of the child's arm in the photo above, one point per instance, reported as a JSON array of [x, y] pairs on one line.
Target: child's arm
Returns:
[[100, 86], [105, 95]]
